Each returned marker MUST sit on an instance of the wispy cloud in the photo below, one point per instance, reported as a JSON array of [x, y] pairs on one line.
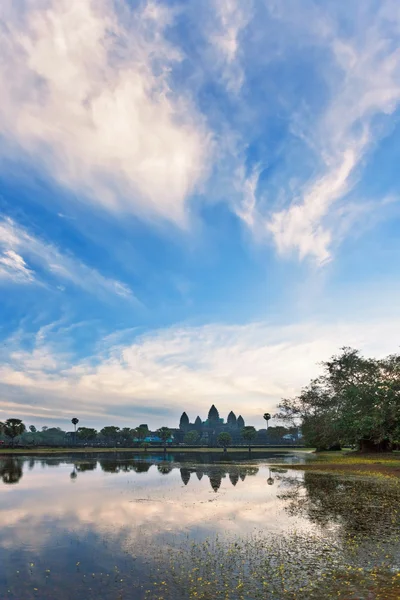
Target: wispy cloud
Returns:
[[14, 268], [359, 78], [19, 245], [87, 87], [230, 18], [245, 368]]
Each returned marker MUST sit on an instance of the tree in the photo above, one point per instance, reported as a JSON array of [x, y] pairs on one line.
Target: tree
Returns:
[[75, 422], [267, 417], [141, 433], [231, 419], [249, 434], [192, 437], [184, 422], [355, 401], [32, 429], [126, 435], [11, 470], [86, 434], [224, 439], [110, 433], [13, 428], [165, 434]]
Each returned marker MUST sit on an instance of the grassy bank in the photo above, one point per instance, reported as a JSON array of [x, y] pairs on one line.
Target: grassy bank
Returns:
[[352, 462], [150, 450]]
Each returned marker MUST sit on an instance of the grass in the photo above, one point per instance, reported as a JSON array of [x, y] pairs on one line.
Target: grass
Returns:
[[150, 450], [353, 463]]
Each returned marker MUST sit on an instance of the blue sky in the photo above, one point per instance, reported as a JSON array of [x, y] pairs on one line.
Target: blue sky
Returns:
[[199, 202]]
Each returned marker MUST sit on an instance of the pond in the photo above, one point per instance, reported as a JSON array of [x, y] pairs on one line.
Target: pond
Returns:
[[193, 526]]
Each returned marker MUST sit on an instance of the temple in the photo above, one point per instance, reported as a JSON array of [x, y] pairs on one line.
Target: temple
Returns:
[[209, 429]]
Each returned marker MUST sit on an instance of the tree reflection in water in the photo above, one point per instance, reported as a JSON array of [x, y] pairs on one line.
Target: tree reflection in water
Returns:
[[366, 506], [11, 470]]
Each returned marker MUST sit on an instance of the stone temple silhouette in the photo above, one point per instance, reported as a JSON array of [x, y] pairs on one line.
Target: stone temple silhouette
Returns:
[[213, 425]]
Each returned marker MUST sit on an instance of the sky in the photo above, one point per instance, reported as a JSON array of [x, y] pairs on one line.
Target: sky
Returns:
[[199, 203]]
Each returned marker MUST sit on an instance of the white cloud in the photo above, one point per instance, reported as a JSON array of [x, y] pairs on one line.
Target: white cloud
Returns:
[[14, 268], [17, 243], [246, 368], [230, 18], [88, 90], [361, 69]]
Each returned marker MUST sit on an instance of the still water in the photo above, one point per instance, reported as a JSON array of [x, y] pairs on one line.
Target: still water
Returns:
[[90, 526]]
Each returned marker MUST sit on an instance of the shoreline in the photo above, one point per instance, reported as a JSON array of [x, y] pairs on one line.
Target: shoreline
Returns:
[[150, 450]]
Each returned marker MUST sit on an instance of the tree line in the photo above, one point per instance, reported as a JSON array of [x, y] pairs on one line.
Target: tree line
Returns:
[[355, 401]]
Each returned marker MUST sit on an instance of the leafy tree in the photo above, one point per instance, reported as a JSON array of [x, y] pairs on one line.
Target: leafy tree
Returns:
[[356, 401], [32, 429], [165, 434], [127, 435], [192, 437], [11, 470], [111, 432], [249, 434], [224, 439], [13, 428], [86, 434], [141, 433]]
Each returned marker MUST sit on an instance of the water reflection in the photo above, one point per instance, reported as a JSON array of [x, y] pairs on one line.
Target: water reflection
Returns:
[[121, 507], [11, 470], [356, 506]]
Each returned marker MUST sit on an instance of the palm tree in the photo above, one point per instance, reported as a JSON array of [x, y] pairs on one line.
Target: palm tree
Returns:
[[141, 433], [164, 433], [249, 434], [224, 439], [75, 422], [13, 428], [267, 417]]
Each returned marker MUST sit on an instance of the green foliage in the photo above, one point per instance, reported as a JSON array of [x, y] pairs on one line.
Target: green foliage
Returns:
[[266, 417], [356, 400], [165, 434], [249, 434], [224, 439], [141, 433], [111, 433], [86, 434], [75, 421], [13, 428], [192, 437]]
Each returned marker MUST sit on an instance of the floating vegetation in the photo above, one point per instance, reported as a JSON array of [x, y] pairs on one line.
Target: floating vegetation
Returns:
[[297, 566]]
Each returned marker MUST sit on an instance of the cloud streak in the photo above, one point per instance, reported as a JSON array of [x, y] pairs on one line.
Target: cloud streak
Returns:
[[246, 368], [18, 245], [88, 88]]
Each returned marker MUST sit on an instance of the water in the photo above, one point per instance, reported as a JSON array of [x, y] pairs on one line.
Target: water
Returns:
[[89, 526]]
